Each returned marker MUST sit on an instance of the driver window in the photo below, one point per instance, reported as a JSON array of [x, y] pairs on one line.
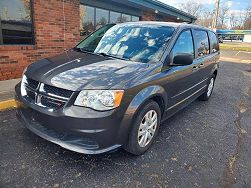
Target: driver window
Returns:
[[184, 44]]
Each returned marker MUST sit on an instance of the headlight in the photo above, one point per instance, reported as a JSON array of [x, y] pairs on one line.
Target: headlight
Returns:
[[23, 83], [99, 99]]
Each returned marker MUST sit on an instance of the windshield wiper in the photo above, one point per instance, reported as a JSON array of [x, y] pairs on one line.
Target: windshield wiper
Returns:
[[84, 51], [102, 53], [113, 56]]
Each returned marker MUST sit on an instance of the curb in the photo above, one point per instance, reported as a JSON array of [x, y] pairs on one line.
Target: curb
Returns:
[[4, 105]]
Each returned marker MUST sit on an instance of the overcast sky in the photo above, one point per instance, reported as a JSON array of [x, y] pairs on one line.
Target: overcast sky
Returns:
[[237, 5]]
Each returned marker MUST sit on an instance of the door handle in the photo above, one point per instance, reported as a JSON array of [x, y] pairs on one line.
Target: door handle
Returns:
[[201, 65], [195, 68]]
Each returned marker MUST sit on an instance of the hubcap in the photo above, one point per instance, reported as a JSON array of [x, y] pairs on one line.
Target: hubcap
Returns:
[[210, 87], [147, 128]]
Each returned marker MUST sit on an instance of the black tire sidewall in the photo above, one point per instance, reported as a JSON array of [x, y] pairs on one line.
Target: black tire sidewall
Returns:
[[204, 96], [133, 145]]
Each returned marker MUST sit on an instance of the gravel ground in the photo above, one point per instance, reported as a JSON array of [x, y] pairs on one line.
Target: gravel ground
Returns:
[[205, 145]]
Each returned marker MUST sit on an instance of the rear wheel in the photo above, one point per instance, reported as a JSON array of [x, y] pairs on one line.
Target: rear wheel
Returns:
[[210, 86], [144, 128]]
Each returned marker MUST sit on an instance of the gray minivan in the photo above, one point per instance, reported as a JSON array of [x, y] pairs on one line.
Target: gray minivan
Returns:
[[115, 87]]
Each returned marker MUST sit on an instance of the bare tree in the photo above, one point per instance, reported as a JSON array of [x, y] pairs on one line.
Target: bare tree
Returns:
[[241, 19], [223, 16], [237, 20], [205, 18], [247, 18], [233, 21], [192, 7]]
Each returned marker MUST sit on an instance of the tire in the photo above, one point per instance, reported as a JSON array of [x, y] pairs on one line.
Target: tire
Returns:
[[210, 86], [143, 128]]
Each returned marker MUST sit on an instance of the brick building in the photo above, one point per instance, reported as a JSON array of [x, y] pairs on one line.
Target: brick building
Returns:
[[34, 29]]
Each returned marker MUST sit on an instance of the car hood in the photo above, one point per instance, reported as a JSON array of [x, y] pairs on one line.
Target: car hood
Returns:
[[74, 71]]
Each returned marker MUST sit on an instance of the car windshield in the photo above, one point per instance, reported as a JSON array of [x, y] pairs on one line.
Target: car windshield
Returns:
[[135, 42]]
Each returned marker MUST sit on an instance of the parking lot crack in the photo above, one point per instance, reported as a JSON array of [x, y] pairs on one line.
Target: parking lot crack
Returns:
[[229, 176]]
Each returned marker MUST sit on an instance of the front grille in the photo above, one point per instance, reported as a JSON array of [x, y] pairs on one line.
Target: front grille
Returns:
[[57, 91], [51, 103], [33, 84], [45, 95], [31, 95]]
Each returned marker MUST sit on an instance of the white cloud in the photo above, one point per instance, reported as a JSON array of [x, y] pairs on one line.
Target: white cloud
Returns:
[[176, 3], [237, 12], [229, 3]]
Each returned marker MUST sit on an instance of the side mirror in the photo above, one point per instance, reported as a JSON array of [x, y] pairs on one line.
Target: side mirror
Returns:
[[183, 59]]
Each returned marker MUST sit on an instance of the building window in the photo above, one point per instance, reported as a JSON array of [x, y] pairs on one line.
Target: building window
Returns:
[[126, 18], [135, 18], [16, 22], [115, 17], [87, 24], [102, 17], [92, 18]]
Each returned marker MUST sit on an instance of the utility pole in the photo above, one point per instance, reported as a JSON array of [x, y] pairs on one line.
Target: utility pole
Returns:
[[1, 33], [216, 14]]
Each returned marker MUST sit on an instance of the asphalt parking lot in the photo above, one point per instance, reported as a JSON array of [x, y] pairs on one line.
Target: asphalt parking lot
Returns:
[[236, 54], [205, 145]]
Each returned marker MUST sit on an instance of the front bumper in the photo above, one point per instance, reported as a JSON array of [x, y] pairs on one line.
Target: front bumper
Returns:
[[75, 128]]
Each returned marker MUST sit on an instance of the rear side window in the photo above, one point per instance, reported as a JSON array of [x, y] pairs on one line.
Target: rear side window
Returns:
[[214, 45], [184, 44], [201, 41]]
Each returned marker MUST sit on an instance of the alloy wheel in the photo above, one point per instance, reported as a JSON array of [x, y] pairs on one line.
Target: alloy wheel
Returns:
[[147, 128], [210, 87]]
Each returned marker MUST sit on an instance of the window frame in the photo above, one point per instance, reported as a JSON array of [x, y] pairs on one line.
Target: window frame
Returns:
[[195, 43], [210, 43], [176, 39], [109, 14], [32, 29]]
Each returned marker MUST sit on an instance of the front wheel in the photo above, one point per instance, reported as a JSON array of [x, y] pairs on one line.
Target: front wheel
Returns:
[[207, 94], [144, 128]]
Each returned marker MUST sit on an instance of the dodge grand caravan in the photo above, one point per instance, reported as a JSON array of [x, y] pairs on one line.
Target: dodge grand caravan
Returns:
[[117, 85]]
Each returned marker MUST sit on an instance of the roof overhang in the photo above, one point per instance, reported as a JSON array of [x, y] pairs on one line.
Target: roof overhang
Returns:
[[163, 9]]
